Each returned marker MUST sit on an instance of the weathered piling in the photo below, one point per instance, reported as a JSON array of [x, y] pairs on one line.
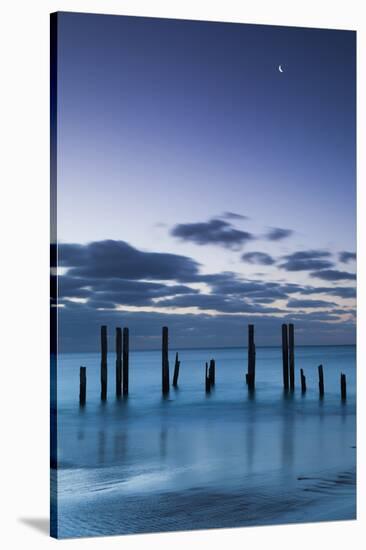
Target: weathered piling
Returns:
[[82, 392], [343, 387], [321, 380], [212, 372], [207, 380], [103, 364], [250, 378], [176, 371], [165, 361], [303, 381], [118, 361], [291, 345], [285, 357], [126, 354]]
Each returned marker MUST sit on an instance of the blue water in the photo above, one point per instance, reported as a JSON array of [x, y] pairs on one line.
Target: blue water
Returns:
[[197, 461]]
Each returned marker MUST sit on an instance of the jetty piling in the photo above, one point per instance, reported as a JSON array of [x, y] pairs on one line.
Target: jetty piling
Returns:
[[285, 357], [103, 364], [211, 372], [343, 387], [321, 380], [82, 392], [291, 345], [207, 380], [118, 361], [165, 361], [176, 371], [250, 378], [303, 381], [126, 354]]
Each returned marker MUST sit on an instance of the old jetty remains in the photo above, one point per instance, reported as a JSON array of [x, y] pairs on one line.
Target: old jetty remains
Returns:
[[122, 365], [82, 391], [176, 371], [103, 363], [165, 361], [250, 377]]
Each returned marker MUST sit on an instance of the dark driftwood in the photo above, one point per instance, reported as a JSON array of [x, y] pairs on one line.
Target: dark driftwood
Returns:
[[343, 387], [291, 344], [321, 380], [165, 361], [126, 354], [103, 364], [118, 361], [250, 378], [82, 393], [285, 357], [207, 380], [303, 381], [176, 371]]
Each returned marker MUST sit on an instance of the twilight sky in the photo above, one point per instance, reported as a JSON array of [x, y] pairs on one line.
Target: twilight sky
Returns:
[[201, 188]]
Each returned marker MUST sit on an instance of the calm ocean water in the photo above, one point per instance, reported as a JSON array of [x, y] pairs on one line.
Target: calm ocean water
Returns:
[[197, 461]]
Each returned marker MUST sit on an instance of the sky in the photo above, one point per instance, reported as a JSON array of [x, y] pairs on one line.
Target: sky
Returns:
[[200, 187]]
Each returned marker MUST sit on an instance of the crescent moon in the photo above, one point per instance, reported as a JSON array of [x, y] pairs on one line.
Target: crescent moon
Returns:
[[280, 68]]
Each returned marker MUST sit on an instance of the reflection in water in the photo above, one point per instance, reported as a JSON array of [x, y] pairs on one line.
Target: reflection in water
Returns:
[[120, 445], [101, 446], [163, 442]]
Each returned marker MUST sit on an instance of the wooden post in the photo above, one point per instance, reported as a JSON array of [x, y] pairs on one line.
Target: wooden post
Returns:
[[343, 387], [118, 361], [291, 343], [82, 393], [303, 381], [250, 378], [103, 364], [207, 380], [126, 353], [176, 371], [285, 356], [165, 361], [211, 372], [321, 380]]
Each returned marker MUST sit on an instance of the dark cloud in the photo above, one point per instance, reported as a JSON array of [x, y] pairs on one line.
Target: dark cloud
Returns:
[[111, 273], [293, 303], [306, 260], [223, 304], [111, 292], [117, 259], [346, 257], [339, 291], [233, 216], [333, 275], [215, 231], [278, 234], [260, 258], [80, 329]]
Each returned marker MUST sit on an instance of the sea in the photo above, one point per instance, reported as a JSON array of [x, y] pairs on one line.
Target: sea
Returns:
[[197, 460]]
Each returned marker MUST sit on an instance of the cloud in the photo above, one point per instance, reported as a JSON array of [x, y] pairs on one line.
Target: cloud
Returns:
[[333, 275], [117, 259], [346, 257], [278, 234], [293, 303], [233, 216], [111, 292], [215, 231], [80, 329], [217, 302], [260, 258], [339, 291], [306, 260], [113, 273]]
